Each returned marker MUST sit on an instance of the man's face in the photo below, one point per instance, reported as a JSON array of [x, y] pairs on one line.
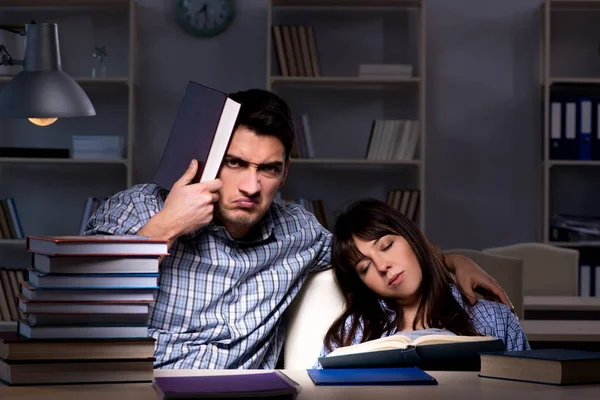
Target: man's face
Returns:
[[253, 170]]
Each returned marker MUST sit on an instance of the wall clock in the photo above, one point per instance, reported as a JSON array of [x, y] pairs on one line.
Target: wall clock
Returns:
[[204, 18]]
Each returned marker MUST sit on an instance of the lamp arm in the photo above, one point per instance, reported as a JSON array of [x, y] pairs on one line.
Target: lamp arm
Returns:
[[6, 58], [16, 29]]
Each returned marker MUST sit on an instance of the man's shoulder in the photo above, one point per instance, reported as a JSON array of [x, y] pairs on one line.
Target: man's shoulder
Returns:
[[142, 190], [293, 217]]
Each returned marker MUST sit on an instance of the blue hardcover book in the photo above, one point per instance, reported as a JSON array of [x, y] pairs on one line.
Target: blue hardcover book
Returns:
[[371, 376]]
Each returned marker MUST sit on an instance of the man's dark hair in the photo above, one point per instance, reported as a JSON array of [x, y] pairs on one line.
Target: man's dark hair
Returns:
[[265, 113]]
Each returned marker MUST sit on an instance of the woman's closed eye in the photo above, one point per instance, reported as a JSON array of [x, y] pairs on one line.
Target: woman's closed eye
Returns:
[[388, 246], [362, 269]]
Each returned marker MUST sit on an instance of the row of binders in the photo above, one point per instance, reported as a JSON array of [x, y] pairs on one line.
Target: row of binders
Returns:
[[85, 303], [574, 127], [589, 280]]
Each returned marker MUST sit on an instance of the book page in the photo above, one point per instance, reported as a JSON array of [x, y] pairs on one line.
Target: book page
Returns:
[[441, 339], [385, 343]]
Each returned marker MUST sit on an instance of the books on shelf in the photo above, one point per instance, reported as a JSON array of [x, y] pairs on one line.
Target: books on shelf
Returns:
[[547, 366], [295, 49], [106, 147], [202, 131], [85, 327], [303, 144], [314, 206], [393, 140], [9, 289], [406, 201], [10, 224], [427, 352]]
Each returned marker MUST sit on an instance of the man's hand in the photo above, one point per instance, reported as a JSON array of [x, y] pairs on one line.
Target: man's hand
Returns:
[[187, 208], [472, 279], [190, 206]]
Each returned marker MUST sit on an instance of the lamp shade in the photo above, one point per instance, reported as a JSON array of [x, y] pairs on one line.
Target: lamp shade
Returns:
[[42, 89]]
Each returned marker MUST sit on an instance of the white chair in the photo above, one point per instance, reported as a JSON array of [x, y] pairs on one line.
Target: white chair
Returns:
[[507, 271], [308, 318], [547, 270]]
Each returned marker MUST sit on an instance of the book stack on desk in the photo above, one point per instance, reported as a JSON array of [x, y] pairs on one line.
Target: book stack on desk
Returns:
[[86, 304]]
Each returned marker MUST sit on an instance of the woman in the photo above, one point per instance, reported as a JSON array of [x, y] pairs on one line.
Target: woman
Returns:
[[394, 281]]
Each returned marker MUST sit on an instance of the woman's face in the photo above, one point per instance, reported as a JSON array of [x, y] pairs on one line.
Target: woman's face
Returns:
[[389, 267]]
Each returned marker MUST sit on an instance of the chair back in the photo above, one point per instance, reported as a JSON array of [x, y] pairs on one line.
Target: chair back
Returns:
[[308, 318], [547, 270]]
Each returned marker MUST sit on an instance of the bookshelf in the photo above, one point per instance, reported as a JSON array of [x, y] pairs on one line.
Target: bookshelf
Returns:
[[50, 193], [560, 76], [318, 71], [570, 83]]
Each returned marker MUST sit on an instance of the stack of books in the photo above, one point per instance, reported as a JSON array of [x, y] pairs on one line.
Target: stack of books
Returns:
[[86, 304]]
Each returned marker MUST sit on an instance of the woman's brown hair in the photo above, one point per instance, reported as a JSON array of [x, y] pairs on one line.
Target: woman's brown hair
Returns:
[[372, 219]]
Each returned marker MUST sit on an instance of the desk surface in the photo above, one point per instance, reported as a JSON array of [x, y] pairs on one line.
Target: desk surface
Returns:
[[563, 303], [452, 385]]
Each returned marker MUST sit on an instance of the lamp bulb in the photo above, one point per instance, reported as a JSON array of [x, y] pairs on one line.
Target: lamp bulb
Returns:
[[42, 121]]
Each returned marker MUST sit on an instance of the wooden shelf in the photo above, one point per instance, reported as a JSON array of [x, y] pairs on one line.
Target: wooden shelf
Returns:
[[14, 242], [575, 80], [347, 3], [117, 80], [574, 163], [575, 4], [64, 3], [575, 244], [342, 80], [352, 161], [32, 160]]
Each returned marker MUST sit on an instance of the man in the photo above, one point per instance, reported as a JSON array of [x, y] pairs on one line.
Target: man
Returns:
[[236, 258]]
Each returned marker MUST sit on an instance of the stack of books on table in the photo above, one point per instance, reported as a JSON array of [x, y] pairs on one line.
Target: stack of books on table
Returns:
[[86, 303]]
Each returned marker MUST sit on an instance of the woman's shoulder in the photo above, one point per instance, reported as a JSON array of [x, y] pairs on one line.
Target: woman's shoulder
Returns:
[[484, 310]]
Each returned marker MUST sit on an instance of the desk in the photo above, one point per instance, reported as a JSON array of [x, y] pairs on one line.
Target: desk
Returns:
[[452, 385], [566, 303], [558, 330], [561, 307]]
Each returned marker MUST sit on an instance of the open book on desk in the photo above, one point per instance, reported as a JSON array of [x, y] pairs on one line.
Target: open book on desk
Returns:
[[430, 352]]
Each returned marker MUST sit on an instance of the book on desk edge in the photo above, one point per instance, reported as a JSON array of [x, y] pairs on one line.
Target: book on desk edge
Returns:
[[545, 366], [201, 131], [247, 385], [371, 376]]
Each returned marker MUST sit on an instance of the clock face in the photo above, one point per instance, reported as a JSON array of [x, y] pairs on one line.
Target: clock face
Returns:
[[204, 18]]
